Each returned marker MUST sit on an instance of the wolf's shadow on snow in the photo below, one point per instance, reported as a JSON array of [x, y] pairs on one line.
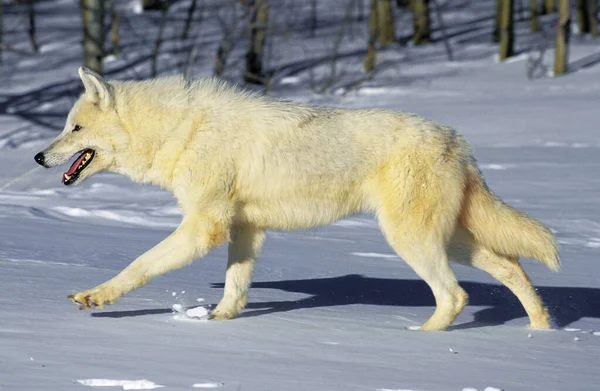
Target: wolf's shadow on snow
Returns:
[[565, 304]]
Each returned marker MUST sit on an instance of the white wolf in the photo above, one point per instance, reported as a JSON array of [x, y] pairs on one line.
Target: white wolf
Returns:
[[239, 164]]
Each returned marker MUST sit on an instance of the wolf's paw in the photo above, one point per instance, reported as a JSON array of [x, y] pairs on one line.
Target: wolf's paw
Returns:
[[540, 319], [221, 315], [541, 324], [228, 308], [96, 297]]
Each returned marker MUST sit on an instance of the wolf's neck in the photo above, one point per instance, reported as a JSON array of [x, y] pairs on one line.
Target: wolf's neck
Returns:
[[156, 126]]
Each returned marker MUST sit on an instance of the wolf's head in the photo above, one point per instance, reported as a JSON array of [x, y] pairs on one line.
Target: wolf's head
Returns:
[[93, 130]]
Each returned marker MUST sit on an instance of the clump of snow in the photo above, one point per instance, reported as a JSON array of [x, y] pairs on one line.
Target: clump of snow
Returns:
[[197, 312], [124, 384], [290, 80], [208, 385], [498, 167], [177, 308], [593, 244]]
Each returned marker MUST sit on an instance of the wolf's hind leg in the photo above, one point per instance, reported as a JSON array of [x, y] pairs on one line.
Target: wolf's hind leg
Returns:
[[418, 195], [429, 260], [193, 238], [246, 241], [507, 270]]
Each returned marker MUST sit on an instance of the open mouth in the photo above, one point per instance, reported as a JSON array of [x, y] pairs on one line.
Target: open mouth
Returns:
[[78, 166]]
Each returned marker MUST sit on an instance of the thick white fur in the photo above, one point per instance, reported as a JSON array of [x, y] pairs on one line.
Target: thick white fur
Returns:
[[239, 164]]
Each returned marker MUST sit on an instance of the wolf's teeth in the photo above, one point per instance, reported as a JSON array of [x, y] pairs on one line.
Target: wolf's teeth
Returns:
[[67, 177], [88, 155]]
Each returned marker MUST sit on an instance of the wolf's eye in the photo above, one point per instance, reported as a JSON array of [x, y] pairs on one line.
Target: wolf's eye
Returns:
[[77, 128]]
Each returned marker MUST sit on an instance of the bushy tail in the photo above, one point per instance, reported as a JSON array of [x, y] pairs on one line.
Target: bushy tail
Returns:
[[502, 228]]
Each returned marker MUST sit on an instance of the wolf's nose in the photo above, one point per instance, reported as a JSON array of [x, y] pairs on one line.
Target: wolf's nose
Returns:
[[39, 158]]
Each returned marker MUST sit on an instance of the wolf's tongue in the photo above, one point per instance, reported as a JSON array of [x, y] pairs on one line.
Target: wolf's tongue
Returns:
[[75, 164]]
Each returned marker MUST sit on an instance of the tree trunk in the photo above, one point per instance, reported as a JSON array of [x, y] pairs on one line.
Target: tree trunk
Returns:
[[31, 16], [583, 17], [373, 31], [114, 31], [548, 7], [360, 10], [333, 74], [92, 12], [226, 44], [421, 24], [497, 22], [159, 37], [313, 18], [561, 54], [592, 14], [385, 19], [258, 35], [535, 21], [507, 30], [188, 20], [223, 54]]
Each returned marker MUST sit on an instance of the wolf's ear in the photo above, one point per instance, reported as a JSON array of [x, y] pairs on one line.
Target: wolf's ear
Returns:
[[96, 89]]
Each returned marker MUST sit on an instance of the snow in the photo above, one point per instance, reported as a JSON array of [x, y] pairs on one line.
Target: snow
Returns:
[[375, 255], [331, 308], [124, 384], [177, 308], [197, 312], [207, 385]]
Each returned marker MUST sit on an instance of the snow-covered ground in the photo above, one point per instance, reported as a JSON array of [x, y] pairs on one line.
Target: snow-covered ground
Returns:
[[330, 309]]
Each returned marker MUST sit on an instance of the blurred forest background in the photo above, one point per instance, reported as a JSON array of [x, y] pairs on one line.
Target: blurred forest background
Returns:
[[258, 26], [321, 46]]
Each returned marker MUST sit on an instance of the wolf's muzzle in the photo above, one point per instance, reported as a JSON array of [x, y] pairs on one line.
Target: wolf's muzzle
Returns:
[[40, 159]]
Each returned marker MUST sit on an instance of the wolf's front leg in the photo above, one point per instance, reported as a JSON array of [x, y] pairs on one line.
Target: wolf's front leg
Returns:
[[245, 244], [193, 238]]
